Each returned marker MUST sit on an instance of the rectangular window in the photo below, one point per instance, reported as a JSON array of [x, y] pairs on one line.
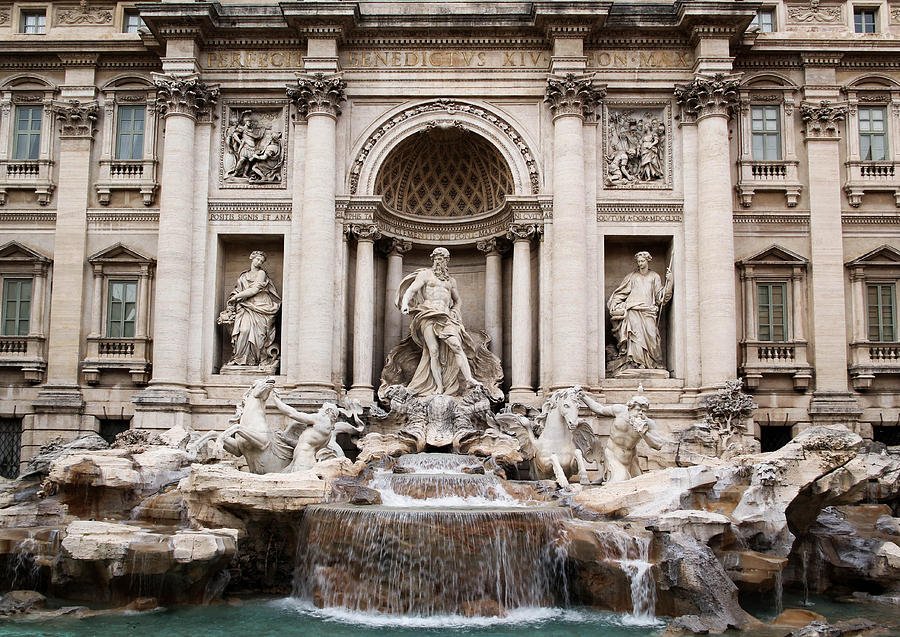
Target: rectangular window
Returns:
[[864, 19], [27, 135], [10, 446], [765, 126], [872, 133], [16, 307], [121, 309], [772, 311], [764, 20], [34, 21], [130, 132], [882, 312], [133, 22]]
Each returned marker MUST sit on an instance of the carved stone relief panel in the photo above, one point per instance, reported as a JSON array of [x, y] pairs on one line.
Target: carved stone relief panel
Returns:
[[254, 144], [637, 148]]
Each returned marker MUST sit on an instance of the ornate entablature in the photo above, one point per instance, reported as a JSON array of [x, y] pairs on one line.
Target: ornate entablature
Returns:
[[639, 212], [254, 143], [637, 147], [487, 123]]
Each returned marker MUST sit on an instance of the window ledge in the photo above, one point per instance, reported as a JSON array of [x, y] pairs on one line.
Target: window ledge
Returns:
[[25, 353], [27, 174], [869, 359], [110, 354], [766, 358], [127, 174], [777, 175], [870, 176]]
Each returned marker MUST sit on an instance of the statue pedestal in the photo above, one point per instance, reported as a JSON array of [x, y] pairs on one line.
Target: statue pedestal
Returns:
[[643, 373], [249, 370]]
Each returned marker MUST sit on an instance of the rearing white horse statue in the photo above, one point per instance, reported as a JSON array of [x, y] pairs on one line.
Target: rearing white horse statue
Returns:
[[564, 441]]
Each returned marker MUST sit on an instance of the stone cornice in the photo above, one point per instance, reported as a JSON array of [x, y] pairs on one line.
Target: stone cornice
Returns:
[[318, 94], [821, 121], [76, 118], [184, 94], [573, 95], [715, 95]]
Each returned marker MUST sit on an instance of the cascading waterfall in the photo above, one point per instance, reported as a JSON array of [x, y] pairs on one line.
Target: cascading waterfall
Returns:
[[444, 542], [632, 553]]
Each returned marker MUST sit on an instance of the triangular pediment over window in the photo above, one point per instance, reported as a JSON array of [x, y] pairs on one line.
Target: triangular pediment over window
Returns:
[[119, 253], [885, 255], [15, 252], [775, 255]]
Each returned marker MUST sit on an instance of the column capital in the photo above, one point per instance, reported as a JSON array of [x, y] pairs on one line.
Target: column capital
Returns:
[[709, 95], [397, 246], [523, 231], [365, 231], [821, 120], [184, 94], [76, 118], [573, 95], [318, 94], [491, 245]]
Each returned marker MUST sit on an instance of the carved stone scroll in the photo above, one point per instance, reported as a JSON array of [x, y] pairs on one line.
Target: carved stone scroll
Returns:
[[822, 121], [573, 95], [77, 119], [318, 93], [184, 94], [715, 95]]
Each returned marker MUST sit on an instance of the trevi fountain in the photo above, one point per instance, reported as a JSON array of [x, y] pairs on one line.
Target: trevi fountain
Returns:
[[443, 508]]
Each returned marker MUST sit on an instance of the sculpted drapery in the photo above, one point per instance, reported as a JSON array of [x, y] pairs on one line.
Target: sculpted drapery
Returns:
[[252, 307]]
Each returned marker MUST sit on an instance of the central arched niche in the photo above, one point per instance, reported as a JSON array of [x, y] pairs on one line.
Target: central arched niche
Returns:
[[444, 172]]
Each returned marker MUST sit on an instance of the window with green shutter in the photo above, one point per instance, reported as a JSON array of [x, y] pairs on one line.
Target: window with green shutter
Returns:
[[766, 132], [16, 306], [121, 309], [881, 301], [772, 311], [27, 133], [130, 132]]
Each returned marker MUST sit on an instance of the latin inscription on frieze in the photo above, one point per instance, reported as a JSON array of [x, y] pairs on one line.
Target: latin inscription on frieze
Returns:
[[249, 216], [639, 59], [443, 59], [231, 60]]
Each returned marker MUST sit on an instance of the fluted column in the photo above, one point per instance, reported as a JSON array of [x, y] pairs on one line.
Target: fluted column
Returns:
[[521, 335], [318, 98], [569, 98], [181, 100], [832, 401], [710, 100], [364, 310], [392, 318], [493, 294]]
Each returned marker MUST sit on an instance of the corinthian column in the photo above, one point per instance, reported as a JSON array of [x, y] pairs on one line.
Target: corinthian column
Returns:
[[318, 98], [569, 97], [364, 310], [709, 100], [520, 338], [392, 317], [832, 401], [493, 291], [181, 100]]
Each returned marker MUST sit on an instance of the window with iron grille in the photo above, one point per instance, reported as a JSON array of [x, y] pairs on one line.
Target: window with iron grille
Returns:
[[764, 20], [34, 22], [27, 135], [772, 309], [10, 446], [865, 19], [881, 300], [872, 133], [16, 306], [130, 132], [121, 309]]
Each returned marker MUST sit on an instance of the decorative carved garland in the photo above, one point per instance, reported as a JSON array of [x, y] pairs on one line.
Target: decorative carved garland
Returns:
[[449, 106]]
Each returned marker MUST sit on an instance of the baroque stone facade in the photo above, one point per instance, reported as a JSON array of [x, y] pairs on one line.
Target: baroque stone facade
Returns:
[[751, 152]]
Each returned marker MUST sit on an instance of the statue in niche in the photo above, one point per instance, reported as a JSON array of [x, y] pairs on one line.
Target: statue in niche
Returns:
[[635, 151], [250, 311], [634, 309], [439, 357], [630, 426], [254, 151]]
